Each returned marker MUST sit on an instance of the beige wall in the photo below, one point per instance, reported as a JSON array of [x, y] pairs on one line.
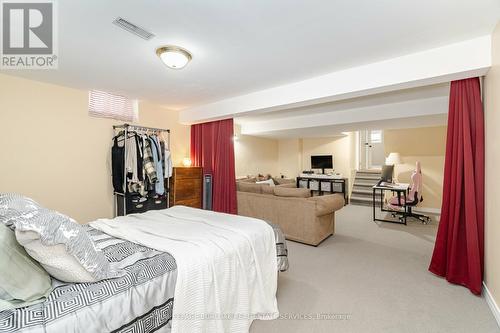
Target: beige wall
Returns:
[[55, 153], [492, 190], [339, 147], [254, 155], [290, 157], [427, 145]]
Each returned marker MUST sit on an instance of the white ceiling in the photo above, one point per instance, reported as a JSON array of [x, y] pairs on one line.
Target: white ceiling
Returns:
[[240, 47]]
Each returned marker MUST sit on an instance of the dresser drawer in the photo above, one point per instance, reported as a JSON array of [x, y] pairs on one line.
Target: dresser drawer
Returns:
[[186, 187], [187, 173], [189, 189]]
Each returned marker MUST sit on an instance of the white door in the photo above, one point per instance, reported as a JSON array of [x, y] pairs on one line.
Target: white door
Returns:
[[372, 155]]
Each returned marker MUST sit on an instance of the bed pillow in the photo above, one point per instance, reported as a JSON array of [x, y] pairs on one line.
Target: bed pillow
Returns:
[[57, 242], [23, 281], [12, 206]]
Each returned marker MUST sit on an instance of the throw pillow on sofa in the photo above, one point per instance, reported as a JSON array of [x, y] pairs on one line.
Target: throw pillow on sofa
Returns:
[[270, 182]]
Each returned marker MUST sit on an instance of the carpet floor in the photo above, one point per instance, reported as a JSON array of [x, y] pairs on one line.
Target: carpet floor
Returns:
[[372, 277]]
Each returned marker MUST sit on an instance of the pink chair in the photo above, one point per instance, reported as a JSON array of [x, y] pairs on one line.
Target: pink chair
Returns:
[[413, 198]]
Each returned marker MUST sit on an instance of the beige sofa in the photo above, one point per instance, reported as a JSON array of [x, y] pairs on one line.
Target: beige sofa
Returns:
[[302, 218]]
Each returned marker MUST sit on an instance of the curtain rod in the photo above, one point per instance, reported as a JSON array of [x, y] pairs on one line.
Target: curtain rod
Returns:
[[128, 126]]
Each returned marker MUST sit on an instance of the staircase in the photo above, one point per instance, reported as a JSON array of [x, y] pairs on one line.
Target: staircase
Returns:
[[362, 192]]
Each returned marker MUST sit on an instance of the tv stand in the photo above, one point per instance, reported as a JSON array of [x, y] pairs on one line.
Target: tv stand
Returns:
[[323, 184]]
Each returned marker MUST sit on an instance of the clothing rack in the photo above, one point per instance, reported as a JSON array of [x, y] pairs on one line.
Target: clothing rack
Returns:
[[126, 128]]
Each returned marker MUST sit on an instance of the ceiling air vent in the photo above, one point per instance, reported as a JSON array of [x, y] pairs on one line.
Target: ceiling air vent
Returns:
[[130, 27]]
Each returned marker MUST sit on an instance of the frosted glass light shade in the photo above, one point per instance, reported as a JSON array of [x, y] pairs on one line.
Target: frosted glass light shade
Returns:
[[173, 56]]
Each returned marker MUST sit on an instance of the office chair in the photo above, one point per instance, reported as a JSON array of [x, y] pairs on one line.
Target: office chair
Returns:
[[412, 199]]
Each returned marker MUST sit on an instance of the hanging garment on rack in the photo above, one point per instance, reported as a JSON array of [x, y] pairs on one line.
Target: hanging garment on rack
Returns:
[[167, 160], [134, 165], [160, 185], [140, 157], [149, 165], [131, 159], [117, 165]]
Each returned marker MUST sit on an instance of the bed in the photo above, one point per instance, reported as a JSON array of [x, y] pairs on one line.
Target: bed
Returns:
[[140, 301]]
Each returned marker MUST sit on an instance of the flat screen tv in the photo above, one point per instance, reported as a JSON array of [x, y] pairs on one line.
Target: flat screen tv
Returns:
[[322, 162]]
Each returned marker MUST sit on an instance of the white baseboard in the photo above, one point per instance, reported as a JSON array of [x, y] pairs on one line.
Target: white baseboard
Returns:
[[492, 304]]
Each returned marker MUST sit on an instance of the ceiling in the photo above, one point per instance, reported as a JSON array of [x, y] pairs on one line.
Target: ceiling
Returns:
[[240, 47]]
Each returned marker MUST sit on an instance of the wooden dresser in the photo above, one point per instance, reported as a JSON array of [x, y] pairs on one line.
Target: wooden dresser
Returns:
[[186, 187]]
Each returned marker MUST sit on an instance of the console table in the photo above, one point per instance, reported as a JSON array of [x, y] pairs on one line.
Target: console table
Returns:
[[322, 185]]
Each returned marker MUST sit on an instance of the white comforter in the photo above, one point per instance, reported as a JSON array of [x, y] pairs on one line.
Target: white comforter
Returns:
[[226, 265]]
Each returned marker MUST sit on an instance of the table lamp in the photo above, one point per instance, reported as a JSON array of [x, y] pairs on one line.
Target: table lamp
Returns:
[[393, 159]]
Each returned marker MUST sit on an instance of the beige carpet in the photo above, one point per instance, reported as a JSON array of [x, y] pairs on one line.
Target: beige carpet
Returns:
[[376, 274]]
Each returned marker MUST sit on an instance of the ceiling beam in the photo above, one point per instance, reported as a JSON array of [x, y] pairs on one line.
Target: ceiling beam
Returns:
[[443, 64], [351, 117]]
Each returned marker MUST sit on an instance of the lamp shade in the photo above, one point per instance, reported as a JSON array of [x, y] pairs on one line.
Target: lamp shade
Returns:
[[393, 159]]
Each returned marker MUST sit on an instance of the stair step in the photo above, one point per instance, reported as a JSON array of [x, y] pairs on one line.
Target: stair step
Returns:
[[364, 184], [362, 191], [368, 177]]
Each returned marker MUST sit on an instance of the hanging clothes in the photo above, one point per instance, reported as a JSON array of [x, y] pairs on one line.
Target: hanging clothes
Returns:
[[157, 157], [133, 165], [166, 160], [117, 165], [149, 165], [139, 162]]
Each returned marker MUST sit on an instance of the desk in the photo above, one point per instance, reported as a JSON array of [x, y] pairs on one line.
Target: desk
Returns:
[[400, 189]]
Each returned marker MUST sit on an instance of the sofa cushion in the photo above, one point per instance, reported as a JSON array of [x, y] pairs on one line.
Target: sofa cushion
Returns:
[[249, 187], [281, 181], [327, 204], [267, 189], [289, 185], [281, 191]]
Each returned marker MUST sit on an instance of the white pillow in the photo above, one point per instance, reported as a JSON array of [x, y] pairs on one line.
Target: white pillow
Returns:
[[54, 258], [270, 181]]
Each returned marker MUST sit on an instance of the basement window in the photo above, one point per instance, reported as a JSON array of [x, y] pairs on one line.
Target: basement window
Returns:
[[376, 136], [107, 105]]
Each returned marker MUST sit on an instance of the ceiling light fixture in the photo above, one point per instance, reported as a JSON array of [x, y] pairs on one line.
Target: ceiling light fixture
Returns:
[[174, 57]]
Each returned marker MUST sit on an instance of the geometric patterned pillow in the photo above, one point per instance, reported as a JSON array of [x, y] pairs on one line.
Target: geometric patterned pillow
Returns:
[[60, 244]]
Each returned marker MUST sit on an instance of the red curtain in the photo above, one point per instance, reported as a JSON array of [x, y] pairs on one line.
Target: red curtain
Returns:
[[212, 148], [459, 249]]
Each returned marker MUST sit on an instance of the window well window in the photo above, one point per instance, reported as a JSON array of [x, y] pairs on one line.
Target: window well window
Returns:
[[107, 105]]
